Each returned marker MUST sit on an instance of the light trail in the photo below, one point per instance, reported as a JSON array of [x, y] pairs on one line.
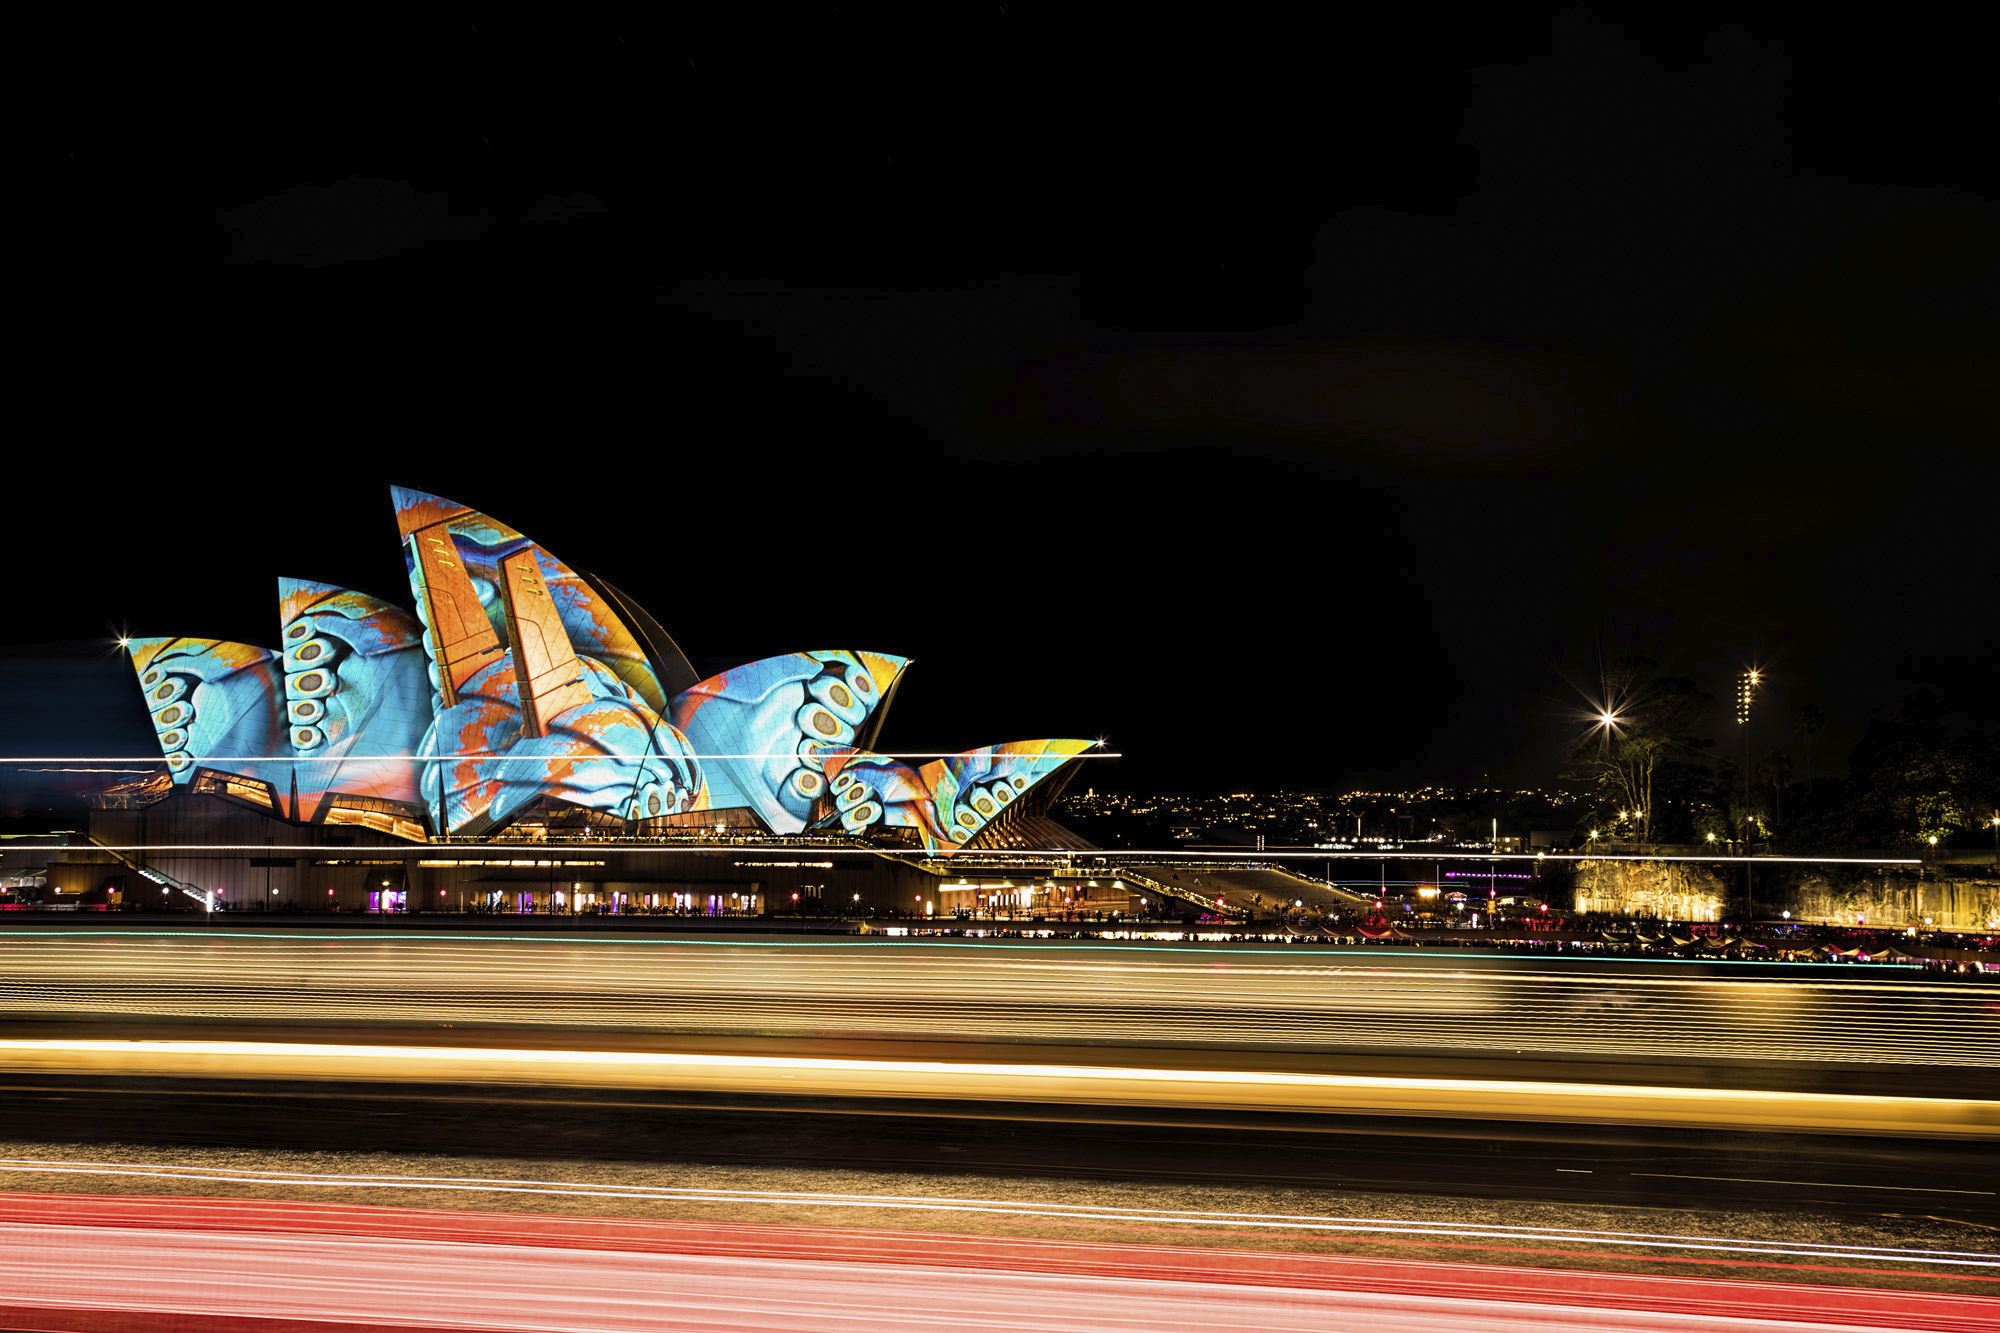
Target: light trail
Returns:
[[1109, 995], [240, 1260], [160, 761], [1065, 855], [1971, 1260], [1100, 1085], [1808, 1184]]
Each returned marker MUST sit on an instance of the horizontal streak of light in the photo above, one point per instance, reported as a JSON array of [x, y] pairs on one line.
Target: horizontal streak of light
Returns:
[[1640, 1042], [1809, 1184], [1139, 948], [873, 1282], [1062, 1083], [638, 958], [613, 843], [1014, 1207], [1091, 994], [158, 761]]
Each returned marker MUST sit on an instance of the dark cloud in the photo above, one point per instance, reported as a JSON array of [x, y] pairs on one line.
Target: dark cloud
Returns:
[[352, 220], [567, 208]]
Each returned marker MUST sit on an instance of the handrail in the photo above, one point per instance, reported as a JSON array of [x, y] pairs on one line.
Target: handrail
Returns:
[[166, 881]]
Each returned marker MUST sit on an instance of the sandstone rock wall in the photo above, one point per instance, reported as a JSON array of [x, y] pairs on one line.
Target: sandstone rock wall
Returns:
[[1694, 891], [1669, 890], [1894, 900]]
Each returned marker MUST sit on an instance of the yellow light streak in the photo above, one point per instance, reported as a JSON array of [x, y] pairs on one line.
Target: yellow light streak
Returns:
[[1085, 1084]]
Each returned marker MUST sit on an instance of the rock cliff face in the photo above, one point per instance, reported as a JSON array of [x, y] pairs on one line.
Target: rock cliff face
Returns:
[[1693, 891], [1895, 900], [1668, 890]]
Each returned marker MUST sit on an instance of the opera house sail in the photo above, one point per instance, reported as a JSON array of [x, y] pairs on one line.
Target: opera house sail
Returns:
[[521, 687]]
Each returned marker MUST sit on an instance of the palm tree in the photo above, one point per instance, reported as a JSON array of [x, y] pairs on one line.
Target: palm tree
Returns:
[[1774, 770], [1810, 722]]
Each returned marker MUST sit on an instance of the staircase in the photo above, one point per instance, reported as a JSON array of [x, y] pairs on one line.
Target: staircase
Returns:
[[165, 881]]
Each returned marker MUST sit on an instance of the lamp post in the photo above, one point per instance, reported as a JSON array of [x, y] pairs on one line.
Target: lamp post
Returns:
[[1746, 693]]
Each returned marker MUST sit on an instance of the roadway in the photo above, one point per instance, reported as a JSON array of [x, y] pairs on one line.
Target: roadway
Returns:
[[1567, 1176], [1120, 995], [863, 1134]]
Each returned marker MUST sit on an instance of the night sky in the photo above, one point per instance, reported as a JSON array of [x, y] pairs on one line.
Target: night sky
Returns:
[[1310, 405]]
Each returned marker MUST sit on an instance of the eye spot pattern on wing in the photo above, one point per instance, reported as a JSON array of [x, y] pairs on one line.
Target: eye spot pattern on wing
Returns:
[[171, 698], [312, 675]]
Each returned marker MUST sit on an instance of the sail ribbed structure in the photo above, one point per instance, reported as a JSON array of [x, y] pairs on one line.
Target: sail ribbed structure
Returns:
[[519, 686]]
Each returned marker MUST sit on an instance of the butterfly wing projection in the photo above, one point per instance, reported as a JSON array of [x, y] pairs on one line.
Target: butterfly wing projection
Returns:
[[522, 710], [763, 728], [357, 700], [214, 705], [948, 801], [481, 542], [518, 679]]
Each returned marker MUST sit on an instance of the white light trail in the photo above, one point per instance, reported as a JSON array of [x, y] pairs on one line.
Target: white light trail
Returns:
[[1066, 855], [159, 761]]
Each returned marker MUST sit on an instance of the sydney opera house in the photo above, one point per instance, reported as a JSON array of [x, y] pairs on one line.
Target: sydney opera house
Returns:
[[523, 704]]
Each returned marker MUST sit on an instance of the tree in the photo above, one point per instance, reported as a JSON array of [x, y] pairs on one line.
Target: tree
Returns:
[[1774, 773], [1651, 733], [1809, 723], [1927, 771]]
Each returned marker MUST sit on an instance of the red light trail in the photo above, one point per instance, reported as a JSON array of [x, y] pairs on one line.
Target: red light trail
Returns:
[[85, 1262]]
